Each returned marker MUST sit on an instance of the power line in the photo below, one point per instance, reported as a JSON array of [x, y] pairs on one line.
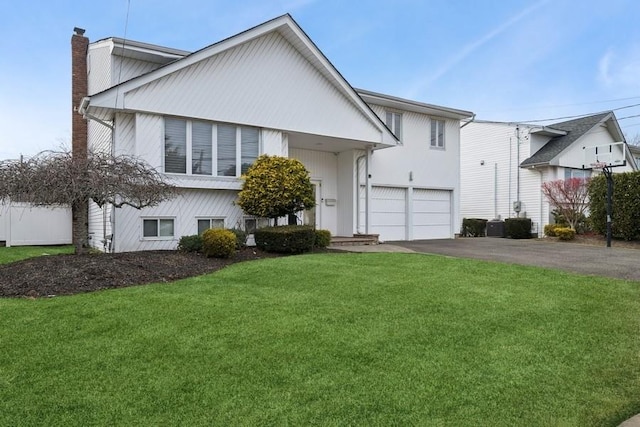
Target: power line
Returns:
[[576, 116], [568, 105]]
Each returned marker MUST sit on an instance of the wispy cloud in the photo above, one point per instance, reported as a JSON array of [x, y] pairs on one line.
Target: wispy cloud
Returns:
[[619, 69], [467, 50]]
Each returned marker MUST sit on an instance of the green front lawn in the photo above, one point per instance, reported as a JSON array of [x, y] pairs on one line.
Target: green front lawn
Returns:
[[330, 339], [16, 253]]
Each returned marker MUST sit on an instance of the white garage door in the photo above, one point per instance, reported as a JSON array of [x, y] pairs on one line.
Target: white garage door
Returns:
[[389, 212], [431, 214]]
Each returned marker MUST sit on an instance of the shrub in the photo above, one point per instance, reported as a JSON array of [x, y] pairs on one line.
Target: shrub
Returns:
[[190, 243], [565, 233], [626, 205], [286, 239], [550, 230], [323, 238], [518, 228], [218, 243], [241, 238], [474, 227]]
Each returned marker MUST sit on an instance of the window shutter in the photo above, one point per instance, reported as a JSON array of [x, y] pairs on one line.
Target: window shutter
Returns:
[[175, 145], [201, 155], [226, 150], [249, 147]]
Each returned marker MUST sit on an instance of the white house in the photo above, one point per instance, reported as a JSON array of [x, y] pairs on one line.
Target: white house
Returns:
[[380, 164], [503, 165]]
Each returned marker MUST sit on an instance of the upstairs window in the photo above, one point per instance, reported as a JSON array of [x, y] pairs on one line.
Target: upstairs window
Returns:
[[394, 123], [194, 147], [437, 133]]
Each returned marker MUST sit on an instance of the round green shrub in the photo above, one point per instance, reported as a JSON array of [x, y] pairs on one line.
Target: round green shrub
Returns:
[[190, 243], [565, 233], [218, 243], [323, 238], [518, 228]]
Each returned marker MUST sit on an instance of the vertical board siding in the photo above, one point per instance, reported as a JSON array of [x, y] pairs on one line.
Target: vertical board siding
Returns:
[[265, 82], [185, 209], [99, 69], [323, 167]]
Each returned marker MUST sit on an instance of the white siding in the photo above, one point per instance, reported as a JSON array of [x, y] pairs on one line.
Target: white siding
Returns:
[[98, 68], [124, 69], [323, 167], [265, 83], [185, 209]]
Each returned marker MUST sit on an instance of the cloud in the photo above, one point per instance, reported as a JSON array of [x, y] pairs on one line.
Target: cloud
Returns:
[[619, 69], [467, 50]]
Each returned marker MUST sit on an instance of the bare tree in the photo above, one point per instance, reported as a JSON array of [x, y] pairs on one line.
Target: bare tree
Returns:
[[55, 178], [632, 140], [569, 197]]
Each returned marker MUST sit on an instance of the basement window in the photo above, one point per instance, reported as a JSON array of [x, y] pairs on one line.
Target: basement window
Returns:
[[158, 228]]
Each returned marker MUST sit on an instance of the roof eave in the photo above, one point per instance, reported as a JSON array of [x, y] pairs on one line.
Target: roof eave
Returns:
[[410, 105]]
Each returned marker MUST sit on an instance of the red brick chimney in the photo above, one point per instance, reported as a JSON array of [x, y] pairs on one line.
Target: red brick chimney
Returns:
[[79, 89]]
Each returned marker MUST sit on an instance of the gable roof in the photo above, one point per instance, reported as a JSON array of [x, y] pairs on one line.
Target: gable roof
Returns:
[[103, 103], [575, 130]]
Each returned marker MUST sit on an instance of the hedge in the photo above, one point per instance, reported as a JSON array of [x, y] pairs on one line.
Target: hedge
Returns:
[[626, 205], [518, 228], [286, 239], [474, 227]]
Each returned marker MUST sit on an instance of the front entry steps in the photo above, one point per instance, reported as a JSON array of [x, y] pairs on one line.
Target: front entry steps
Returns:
[[355, 240]]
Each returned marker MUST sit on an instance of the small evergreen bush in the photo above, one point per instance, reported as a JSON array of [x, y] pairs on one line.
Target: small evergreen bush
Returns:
[[474, 227], [550, 230], [565, 233], [191, 243], [292, 239], [241, 238], [218, 243], [518, 228], [323, 238]]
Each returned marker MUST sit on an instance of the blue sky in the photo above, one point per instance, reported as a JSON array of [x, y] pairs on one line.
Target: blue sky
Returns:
[[505, 60]]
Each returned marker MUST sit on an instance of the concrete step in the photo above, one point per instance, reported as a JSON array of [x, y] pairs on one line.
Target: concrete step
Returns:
[[355, 240]]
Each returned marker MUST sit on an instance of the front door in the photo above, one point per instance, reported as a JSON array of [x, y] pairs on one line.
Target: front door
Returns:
[[312, 216]]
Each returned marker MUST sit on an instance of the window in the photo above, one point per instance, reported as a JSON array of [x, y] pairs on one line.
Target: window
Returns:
[[252, 224], [202, 148], [437, 133], [207, 223], [576, 173], [157, 227], [394, 123]]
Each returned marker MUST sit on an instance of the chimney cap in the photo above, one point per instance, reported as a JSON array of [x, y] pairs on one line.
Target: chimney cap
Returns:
[[79, 31]]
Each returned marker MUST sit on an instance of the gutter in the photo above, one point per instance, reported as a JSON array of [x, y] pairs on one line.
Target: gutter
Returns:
[[83, 110]]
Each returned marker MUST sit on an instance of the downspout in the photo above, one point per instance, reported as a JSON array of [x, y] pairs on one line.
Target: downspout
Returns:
[[358, 225], [367, 192], [495, 191], [470, 121], [540, 226], [82, 109], [518, 168]]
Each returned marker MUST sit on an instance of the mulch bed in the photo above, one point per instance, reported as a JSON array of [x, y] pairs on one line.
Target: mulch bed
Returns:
[[71, 274]]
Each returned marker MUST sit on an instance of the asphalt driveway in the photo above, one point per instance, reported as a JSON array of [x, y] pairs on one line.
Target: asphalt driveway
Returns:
[[615, 262]]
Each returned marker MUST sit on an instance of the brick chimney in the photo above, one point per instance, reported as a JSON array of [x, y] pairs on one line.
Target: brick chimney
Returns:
[[79, 89]]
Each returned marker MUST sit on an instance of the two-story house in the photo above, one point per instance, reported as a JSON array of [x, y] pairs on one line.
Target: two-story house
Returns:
[[379, 164], [503, 165]]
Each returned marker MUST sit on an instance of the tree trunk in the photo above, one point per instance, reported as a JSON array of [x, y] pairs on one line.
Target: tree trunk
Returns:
[[80, 227]]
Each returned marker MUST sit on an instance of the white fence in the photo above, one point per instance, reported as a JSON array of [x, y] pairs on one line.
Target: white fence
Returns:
[[22, 224]]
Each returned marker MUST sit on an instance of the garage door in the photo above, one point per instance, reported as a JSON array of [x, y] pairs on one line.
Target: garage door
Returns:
[[389, 212], [431, 214]]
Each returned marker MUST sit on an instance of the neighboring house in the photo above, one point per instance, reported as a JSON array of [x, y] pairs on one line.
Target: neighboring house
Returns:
[[635, 153], [380, 164], [22, 224], [503, 165]]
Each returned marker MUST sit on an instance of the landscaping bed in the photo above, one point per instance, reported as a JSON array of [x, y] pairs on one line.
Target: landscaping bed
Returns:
[[71, 274]]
